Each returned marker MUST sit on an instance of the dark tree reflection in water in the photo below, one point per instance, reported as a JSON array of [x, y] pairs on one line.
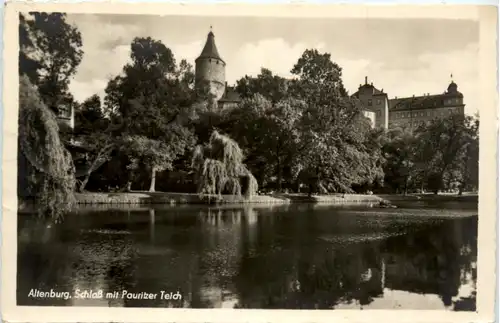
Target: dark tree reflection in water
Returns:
[[281, 257]]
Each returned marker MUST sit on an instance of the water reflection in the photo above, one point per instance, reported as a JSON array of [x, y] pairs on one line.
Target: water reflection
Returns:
[[255, 257]]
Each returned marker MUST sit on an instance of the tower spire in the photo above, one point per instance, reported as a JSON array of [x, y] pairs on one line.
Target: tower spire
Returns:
[[210, 50]]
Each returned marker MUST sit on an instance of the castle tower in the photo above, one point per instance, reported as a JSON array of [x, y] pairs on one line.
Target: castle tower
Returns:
[[211, 68]]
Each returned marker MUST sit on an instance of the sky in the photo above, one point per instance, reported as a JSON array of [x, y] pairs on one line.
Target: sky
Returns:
[[404, 57]]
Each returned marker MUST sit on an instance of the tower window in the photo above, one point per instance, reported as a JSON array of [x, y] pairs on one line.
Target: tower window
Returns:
[[379, 101], [369, 102]]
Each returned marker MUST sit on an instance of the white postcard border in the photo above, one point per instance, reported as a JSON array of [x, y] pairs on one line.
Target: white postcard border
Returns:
[[488, 171]]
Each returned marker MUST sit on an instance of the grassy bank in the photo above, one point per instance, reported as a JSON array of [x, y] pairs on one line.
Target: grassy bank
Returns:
[[466, 197], [186, 198]]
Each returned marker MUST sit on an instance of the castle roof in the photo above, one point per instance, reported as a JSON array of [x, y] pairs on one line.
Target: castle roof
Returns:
[[230, 95], [425, 101], [417, 102], [368, 88], [210, 50]]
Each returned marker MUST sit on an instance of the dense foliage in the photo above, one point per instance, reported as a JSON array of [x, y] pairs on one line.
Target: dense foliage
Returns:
[[50, 52], [46, 172], [219, 168]]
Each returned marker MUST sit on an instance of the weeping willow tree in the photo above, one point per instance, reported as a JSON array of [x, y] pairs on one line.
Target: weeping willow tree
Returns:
[[46, 173], [219, 168]]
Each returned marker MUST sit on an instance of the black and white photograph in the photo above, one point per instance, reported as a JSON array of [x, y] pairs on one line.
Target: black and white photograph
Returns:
[[244, 161]]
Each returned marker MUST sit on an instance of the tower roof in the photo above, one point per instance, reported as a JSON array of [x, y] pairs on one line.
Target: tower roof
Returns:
[[210, 50]]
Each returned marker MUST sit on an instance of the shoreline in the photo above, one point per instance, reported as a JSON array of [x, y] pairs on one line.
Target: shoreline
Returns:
[[170, 198], [137, 199]]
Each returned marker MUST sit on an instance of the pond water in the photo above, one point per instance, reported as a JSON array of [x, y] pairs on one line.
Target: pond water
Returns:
[[418, 256]]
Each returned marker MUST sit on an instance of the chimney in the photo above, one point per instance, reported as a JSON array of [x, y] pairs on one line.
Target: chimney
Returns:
[[371, 83], [366, 79], [396, 97]]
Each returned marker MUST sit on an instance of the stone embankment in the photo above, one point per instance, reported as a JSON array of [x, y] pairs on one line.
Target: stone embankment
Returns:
[[184, 198]]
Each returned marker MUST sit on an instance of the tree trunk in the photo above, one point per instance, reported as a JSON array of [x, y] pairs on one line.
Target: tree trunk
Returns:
[[84, 183], [153, 180], [279, 179]]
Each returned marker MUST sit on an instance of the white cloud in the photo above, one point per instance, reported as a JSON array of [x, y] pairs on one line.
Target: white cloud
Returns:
[[274, 54], [189, 51]]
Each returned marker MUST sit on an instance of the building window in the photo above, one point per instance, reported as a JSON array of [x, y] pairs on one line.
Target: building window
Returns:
[[369, 102], [428, 113], [415, 114], [64, 111], [421, 114], [379, 113], [409, 114], [450, 111], [379, 101]]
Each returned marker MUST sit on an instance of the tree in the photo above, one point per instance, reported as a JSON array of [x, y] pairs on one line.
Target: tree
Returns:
[[154, 154], [152, 100], [467, 163], [441, 144], [50, 51], [46, 172], [272, 87], [93, 134], [219, 168], [268, 132], [401, 165], [333, 150]]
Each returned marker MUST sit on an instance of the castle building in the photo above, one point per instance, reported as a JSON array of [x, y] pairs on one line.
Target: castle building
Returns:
[[211, 68], [411, 111], [66, 117], [416, 110], [375, 104]]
